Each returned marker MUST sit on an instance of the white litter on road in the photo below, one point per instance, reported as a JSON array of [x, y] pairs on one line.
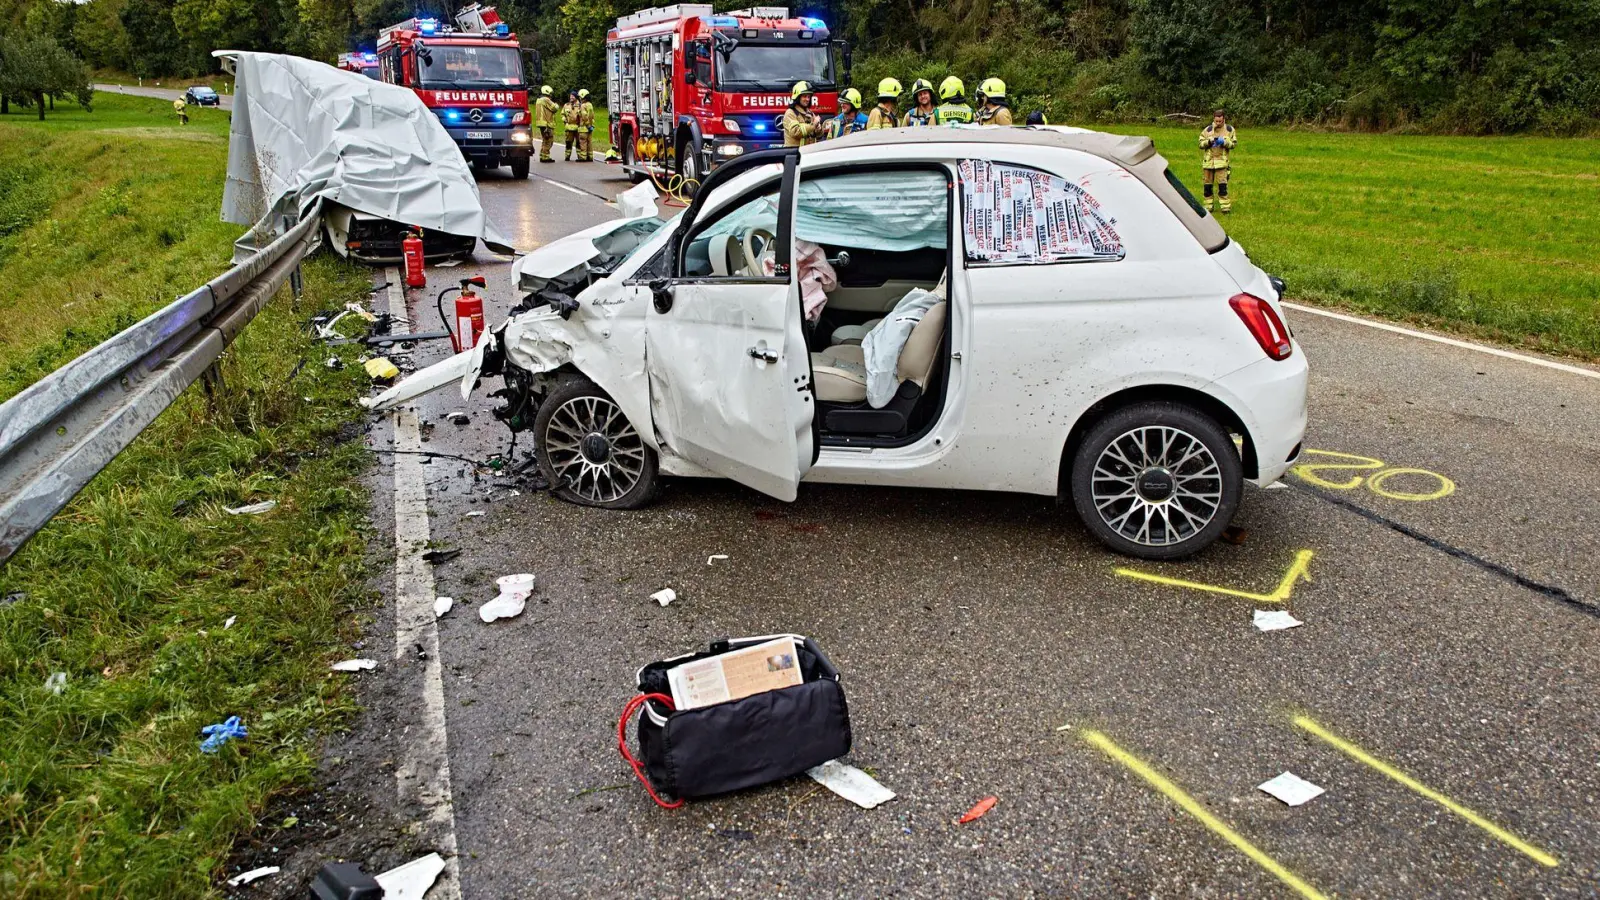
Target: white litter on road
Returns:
[[56, 683], [514, 591], [1291, 789], [714, 557], [253, 875], [252, 509], [664, 596], [851, 783], [1277, 486], [229, 623], [448, 264], [442, 605], [355, 665], [1274, 620], [412, 880], [475, 513]]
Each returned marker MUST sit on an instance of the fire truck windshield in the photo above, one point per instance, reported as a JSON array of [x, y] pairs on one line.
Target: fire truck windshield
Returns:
[[770, 67], [448, 66]]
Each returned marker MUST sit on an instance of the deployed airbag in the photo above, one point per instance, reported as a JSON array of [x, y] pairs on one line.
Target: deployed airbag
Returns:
[[882, 346]]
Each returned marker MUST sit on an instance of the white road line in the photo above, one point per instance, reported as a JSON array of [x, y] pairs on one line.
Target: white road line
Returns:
[[423, 775], [567, 187], [1439, 339]]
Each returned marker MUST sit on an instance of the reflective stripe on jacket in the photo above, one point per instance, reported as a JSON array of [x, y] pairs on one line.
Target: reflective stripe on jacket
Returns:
[[1211, 155], [545, 112], [951, 113]]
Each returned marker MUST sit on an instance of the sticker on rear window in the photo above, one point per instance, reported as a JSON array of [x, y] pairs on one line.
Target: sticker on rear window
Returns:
[[1014, 214]]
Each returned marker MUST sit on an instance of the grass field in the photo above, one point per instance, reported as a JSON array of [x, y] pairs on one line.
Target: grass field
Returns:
[[105, 216], [1494, 236]]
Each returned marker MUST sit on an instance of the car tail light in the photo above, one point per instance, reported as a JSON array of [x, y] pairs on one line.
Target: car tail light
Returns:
[[1264, 324]]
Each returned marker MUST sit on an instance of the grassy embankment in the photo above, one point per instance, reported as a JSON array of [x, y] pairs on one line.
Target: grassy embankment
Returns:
[[104, 217], [1491, 236]]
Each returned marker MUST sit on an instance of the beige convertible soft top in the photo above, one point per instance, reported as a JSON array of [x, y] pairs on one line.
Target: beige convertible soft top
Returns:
[[1136, 154]]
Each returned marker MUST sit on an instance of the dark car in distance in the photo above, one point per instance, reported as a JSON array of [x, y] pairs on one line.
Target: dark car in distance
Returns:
[[201, 95]]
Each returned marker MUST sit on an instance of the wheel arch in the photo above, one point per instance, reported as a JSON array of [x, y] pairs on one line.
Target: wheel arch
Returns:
[[1146, 393]]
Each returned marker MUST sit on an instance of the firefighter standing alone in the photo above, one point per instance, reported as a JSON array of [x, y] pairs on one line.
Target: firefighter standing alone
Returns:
[[570, 114], [585, 127], [1216, 141], [544, 118], [800, 124], [182, 109]]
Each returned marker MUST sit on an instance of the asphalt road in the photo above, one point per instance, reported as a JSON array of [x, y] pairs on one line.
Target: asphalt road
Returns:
[[985, 639], [225, 101]]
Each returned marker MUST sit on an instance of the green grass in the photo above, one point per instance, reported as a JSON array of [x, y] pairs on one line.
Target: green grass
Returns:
[[103, 790], [1494, 236]]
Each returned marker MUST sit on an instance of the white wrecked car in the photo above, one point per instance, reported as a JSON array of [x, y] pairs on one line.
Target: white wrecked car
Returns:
[[983, 309]]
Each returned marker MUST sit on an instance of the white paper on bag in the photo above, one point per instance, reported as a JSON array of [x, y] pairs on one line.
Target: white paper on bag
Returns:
[[1291, 789], [851, 783]]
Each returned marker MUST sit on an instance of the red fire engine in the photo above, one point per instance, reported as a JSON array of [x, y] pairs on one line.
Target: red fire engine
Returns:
[[471, 76], [689, 88], [361, 64]]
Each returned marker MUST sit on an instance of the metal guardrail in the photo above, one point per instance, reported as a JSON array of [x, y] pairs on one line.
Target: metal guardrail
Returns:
[[59, 433]]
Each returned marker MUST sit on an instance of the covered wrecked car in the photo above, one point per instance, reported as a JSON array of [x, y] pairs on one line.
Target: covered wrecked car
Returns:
[[983, 309]]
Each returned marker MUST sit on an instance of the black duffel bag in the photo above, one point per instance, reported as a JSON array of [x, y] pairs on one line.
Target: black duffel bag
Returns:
[[695, 753]]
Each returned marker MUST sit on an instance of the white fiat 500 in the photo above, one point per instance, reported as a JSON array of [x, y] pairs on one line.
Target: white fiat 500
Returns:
[[984, 309]]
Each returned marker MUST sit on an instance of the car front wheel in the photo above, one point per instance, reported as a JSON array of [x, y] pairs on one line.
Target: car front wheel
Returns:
[[589, 451], [1157, 480]]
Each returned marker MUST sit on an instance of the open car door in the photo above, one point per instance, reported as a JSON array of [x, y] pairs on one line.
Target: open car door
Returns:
[[730, 374]]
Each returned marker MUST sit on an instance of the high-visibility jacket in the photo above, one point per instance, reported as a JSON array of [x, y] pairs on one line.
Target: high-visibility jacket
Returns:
[[951, 113], [841, 125], [178, 105], [1212, 154], [571, 113], [997, 114], [545, 112], [882, 118], [801, 127], [586, 116], [917, 118]]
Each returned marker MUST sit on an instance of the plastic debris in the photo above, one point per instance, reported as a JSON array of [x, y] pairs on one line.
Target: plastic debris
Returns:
[[475, 513], [664, 596], [13, 597], [380, 368], [56, 683], [851, 783], [1277, 486], [457, 417], [355, 665], [253, 509], [442, 605], [344, 881], [977, 812], [448, 264], [440, 556], [229, 622], [333, 362], [1274, 620], [714, 557], [252, 875], [1291, 789], [221, 733], [412, 880], [514, 591]]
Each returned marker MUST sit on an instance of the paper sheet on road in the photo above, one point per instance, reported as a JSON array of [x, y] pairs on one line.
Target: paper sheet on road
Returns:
[[1274, 620], [1291, 789], [851, 783], [766, 666]]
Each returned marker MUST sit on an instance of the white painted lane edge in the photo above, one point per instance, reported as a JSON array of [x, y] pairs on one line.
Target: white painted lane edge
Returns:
[[1453, 342], [423, 775]]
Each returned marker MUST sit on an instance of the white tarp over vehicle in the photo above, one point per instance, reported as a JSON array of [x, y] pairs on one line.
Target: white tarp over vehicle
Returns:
[[303, 131]]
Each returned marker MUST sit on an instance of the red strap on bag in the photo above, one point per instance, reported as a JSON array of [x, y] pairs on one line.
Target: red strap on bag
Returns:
[[622, 744]]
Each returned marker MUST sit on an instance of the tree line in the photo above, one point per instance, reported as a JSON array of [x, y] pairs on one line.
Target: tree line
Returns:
[[1453, 66]]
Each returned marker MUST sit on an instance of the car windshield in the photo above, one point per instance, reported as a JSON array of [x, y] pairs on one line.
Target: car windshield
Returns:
[[204, 92], [464, 67], [775, 68]]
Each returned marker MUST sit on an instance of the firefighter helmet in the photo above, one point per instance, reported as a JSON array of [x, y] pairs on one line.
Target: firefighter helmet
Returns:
[[583, 93], [920, 85], [546, 90], [951, 88], [851, 96], [993, 88], [801, 88], [889, 89], [1037, 117]]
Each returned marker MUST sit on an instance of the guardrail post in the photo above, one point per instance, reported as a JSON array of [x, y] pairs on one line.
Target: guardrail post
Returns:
[[297, 283]]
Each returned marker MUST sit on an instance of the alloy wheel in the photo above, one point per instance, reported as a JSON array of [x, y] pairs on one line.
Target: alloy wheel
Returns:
[[1157, 485], [594, 450]]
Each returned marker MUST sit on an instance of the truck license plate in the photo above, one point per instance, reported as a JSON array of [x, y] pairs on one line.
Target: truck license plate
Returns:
[[480, 135]]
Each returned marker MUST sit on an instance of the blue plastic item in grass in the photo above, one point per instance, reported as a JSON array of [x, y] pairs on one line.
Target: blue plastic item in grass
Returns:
[[217, 735]]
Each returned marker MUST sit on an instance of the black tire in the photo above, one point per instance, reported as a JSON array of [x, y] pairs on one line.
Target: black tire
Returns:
[[579, 424], [689, 166], [519, 167], [629, 158], [1160, 505]]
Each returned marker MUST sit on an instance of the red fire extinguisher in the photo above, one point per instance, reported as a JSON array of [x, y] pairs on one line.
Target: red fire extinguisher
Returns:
[[412, 247], [468, 326]]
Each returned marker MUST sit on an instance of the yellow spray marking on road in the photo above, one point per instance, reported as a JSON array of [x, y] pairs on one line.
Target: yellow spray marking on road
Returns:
[[1381, 472], [1193, 807], [1299, 569], [1367, 759]]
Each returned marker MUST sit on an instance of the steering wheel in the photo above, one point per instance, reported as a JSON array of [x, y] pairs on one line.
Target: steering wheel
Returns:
[[758, 243]]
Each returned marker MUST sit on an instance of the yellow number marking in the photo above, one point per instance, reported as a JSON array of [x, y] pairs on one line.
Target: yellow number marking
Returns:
[[1299, 569], [1308, 472], [1375, 485]]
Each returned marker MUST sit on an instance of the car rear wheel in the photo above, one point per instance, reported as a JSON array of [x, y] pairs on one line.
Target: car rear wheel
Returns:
[[589, 451], [1157, 480], [519, 167]]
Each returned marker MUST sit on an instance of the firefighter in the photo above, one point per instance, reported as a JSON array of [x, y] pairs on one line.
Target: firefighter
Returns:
[[544, 118], [800, 125], [1215, 141], [585, 127], [992, 106], [850, 118], [922, 111], [571, 112], [1037, 117], [182, 109], [883, 115], [953, 107]]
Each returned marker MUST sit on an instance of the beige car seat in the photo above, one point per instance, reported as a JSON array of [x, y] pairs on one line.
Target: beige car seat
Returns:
[[855, 334], [840, 372]]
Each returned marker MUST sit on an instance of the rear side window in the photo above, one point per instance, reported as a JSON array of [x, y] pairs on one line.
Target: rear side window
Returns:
[[1184, 193], [1017, 215]]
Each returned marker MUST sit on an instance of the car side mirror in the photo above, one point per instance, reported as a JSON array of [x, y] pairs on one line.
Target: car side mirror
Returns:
[[661, 295], [689, 77]]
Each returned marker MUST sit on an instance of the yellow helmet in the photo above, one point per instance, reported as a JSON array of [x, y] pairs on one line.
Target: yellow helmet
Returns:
[[851, 96], [545, 90], [889, 89], [800, 89], [583, 93], [951, 88], [994, 88], [920, 85]]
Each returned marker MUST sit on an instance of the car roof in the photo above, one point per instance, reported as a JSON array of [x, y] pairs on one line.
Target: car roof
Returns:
[[1135, 153]]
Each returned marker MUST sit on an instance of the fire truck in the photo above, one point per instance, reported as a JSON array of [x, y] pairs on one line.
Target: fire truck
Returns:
[[361, 64], [689, 89], [471, 76]]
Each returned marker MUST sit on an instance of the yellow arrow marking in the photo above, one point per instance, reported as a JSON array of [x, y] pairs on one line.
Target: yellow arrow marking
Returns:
[[1299, 569]]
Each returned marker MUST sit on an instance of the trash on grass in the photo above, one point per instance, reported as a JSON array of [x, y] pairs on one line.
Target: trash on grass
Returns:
[[229, 622], [442, 605], [664, 596], [253, 875], [1291, 789], [851, 783], [412, 880], [355, 665], [440, 556], [56, 683], [514, 591], [1274, 620], [334, 363], [252, 509], [977, 811], [380, 368], [221, 733], [714, 557]]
